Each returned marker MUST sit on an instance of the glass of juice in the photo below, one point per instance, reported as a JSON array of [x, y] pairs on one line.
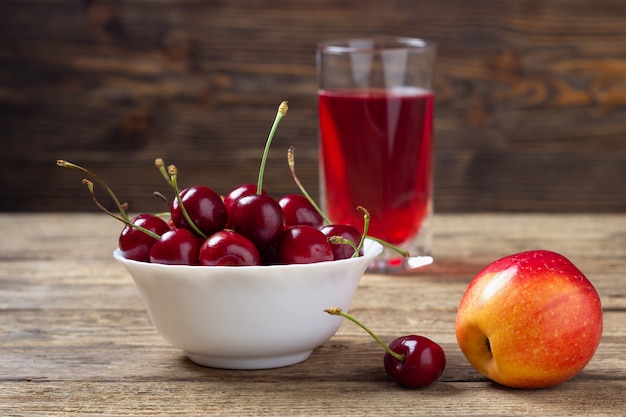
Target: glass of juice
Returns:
[[376, 142]]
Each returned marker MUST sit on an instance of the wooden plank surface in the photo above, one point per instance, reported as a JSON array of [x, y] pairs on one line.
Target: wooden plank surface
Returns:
[[76, 340], [530, 116]]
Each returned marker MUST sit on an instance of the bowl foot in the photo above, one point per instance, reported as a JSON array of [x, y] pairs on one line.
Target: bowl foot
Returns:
[[261, 362]]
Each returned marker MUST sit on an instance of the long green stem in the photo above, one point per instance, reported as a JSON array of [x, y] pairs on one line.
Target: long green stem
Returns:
[[337, 311], [121, 207], [282, 111], [172, 172], [129, 223], [292, 166], [394, 248], [340, 240], [160, 164], [291, 160], [366, 226]]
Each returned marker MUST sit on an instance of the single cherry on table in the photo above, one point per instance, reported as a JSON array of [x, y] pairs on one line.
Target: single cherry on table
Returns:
[[422, 364], [412, 361]]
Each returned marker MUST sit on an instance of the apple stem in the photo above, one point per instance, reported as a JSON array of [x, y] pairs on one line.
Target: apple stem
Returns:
[[291, 160], [337, 311], [282, 111]]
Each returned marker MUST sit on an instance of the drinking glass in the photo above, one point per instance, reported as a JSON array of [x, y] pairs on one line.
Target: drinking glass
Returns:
[[376, 142]]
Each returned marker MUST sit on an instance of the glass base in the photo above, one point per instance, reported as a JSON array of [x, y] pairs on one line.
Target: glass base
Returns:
[[398, 264], [420, 249]]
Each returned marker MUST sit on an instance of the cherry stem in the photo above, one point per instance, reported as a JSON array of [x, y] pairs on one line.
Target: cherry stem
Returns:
[[366, 225], [282, 111], [399, 250], [343, 240], [89, 185], [121, 207], [291, 160], [161, 167], [292, 166], [160, 196], [339, 240], [337, 311], [172, 172]]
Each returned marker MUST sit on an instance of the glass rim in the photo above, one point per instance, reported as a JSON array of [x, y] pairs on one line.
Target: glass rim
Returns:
[[374, 44]]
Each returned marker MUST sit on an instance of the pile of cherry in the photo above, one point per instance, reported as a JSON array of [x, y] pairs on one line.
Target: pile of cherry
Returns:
[[244, 228]]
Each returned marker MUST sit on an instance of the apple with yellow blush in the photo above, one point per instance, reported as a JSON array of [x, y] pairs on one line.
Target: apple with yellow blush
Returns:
[[529, 320]]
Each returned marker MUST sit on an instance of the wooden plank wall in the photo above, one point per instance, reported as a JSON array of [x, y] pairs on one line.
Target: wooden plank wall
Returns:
[[531, 96]]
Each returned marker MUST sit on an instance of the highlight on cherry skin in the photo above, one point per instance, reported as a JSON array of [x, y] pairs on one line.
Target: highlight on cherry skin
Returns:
[[298, 210], [412, 361]]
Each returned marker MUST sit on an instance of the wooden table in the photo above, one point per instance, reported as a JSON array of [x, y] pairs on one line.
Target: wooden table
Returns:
[[75, 338]]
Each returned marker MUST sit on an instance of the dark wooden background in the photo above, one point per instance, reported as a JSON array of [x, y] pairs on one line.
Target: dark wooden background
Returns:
[[530, 116]]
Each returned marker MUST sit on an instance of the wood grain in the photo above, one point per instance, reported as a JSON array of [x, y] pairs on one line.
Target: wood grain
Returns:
[[75, 339], [531, 96]]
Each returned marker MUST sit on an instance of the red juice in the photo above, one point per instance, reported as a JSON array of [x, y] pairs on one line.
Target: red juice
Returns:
[[376, 152]]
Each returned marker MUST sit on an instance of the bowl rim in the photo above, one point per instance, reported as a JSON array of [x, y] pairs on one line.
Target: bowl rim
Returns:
[[372, 249]]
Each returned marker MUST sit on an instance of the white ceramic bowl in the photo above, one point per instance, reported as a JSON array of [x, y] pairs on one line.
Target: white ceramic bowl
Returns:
[[250, 317]]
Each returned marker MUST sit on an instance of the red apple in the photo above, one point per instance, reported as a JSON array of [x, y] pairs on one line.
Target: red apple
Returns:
[[529, 320]]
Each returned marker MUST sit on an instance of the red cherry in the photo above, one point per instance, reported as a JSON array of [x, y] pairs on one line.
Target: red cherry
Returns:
[[424, 361], [343, 250], [204, 207], [176, 247], [259, 218], [299, 210], [136, 244], [235, 194], [412, 361], [303, 245], [228, 248]]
